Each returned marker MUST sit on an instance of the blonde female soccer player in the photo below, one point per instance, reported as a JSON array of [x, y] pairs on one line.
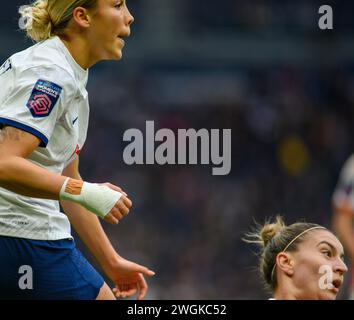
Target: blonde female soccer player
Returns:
[[44, 113], [302, 261]]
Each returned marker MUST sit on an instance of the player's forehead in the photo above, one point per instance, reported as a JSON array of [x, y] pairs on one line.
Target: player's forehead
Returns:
[[323, 237]]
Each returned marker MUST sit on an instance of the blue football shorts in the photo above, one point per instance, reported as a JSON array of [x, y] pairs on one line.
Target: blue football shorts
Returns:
[[45, 270]]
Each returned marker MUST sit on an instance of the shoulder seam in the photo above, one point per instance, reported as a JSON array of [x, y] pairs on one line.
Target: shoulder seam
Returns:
[[28, 67]]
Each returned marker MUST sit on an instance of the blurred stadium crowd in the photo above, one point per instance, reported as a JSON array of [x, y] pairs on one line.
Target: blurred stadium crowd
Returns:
[[261, 68]]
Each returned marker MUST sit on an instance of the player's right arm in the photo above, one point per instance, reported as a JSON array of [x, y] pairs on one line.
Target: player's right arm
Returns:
[[21, 176]]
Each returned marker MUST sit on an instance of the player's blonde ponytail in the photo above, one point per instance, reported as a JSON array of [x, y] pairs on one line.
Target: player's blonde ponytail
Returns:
[[47, 18], [273, 238]]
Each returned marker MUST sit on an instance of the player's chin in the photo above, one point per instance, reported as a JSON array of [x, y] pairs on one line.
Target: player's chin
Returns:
[[116, 54], [328, 295]]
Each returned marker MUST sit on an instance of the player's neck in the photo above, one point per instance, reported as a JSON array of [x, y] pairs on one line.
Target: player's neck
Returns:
[[79, 50], [284, 292]]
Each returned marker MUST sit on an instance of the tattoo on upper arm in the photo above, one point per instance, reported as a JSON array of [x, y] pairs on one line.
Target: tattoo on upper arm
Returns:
[[11, 134]]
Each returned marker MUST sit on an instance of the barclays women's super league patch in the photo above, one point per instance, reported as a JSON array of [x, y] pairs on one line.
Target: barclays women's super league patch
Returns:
[[44, 97]]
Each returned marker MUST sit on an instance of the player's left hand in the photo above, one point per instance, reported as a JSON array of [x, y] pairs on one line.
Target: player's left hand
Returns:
[[129, 278]]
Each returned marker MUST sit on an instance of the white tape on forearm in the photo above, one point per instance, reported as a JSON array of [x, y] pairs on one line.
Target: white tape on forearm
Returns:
[[96, 198]]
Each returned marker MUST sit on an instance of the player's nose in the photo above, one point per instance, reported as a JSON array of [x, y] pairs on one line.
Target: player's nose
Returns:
[[129, 18], [340, 267]]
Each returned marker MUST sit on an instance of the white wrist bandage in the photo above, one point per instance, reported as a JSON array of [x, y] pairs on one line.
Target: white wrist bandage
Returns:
[[96, 198]]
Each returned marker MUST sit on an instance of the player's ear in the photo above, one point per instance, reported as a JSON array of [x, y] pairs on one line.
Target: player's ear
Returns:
[[285, 263], [82, 17]]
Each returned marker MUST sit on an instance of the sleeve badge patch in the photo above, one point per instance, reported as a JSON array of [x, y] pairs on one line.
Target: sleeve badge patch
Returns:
[[43, 99]]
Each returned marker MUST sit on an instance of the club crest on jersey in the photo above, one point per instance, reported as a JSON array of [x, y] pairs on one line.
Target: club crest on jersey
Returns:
[[44, 97]]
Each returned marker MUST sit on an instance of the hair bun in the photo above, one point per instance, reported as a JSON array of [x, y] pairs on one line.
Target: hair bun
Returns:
[[270, 230], [39, 24]]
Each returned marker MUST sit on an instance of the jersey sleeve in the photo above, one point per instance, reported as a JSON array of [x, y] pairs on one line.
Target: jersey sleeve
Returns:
[[34, 99], [343, 196]]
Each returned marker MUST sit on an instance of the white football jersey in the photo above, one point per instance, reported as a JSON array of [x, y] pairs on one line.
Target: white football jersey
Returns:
[[343, 196], [43, 91]]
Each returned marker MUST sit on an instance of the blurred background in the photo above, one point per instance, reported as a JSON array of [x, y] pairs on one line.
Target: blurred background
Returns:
[[262, 68]]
